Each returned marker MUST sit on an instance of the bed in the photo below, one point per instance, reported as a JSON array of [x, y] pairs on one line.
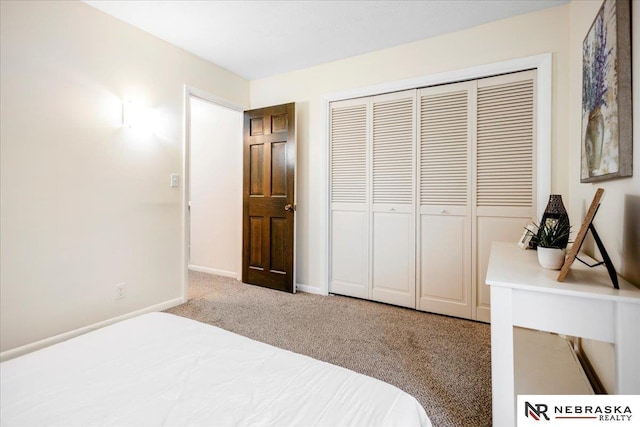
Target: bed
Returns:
[[159, 369]]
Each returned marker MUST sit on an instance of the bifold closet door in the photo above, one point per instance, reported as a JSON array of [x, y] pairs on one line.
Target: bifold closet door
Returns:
[[505, 162], [372, 190], [445, 130], [393, 192], [465, 154], [349, 171]]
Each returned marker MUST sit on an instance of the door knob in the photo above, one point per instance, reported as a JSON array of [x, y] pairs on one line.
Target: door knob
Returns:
[[288, 208]]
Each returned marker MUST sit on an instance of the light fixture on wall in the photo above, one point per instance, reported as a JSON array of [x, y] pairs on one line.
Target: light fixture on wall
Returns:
[[130, 113], [138, 116]]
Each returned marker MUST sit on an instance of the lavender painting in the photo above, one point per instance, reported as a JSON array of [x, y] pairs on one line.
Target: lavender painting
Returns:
[[605, 128]]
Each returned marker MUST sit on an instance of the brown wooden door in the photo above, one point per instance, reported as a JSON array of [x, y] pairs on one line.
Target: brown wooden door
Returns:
[[268, 197]]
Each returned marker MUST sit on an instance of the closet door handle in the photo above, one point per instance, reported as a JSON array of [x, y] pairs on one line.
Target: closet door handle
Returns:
[[288, 208]]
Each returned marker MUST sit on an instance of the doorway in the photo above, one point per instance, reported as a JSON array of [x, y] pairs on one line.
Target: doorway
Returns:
[[213, 186]]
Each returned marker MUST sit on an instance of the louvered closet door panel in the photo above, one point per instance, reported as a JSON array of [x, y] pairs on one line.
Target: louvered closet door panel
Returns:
[[349, 169], [505, 145], [445, 129], [393, 148], [349, 151], [505, 151], [393, 186], [444, 148]]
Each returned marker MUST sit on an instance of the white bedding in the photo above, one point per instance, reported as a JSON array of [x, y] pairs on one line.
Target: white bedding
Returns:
[[160, 369]]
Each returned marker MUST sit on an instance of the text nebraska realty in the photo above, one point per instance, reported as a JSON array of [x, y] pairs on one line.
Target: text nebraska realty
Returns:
[[601, 413]]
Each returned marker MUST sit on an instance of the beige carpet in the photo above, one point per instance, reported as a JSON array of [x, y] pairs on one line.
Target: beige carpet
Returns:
[[444, 362]]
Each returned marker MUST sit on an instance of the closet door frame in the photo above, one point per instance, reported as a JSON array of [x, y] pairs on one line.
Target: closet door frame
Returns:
[[543, 64]]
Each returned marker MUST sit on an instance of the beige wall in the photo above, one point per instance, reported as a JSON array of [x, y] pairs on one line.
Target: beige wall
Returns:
[[526, 35], [618, 219], [85, 203]]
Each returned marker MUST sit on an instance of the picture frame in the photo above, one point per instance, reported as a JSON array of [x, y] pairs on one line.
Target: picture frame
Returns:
[[587, 225], [525, 239], [607, 129], [582, 233]]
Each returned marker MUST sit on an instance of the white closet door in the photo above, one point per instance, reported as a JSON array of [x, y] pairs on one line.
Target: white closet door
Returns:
[[505, 163], [393, 186], [349, 171], [445, 128]]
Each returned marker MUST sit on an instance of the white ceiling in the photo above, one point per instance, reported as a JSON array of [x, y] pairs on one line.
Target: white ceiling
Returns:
[[257, 39]]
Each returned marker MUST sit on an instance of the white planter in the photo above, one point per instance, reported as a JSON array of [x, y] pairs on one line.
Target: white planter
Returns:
[[551, 258]]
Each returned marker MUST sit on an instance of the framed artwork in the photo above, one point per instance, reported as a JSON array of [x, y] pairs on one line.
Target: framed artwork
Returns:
[[607, 135]]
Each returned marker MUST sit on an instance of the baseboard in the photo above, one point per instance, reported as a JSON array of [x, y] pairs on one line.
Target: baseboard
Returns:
[[28, 348], [588, 369], [215, 271], [301, 288], [310, 289]]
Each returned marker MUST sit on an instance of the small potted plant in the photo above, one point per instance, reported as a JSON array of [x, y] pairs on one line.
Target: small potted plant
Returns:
[[551, 239]]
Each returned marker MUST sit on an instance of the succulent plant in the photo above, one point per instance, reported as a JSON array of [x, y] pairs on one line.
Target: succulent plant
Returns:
[[553, 233]]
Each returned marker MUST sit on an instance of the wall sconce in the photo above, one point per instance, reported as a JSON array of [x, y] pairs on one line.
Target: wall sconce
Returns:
[[138, 116], [130, 114]]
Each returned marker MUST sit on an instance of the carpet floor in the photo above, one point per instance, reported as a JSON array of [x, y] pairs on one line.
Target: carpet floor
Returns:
[[443, 361]]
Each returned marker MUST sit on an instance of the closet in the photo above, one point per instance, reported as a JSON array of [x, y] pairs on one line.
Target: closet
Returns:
[[421, 182]]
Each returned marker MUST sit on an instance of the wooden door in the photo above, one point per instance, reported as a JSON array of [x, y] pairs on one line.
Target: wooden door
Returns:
[[268, 197]]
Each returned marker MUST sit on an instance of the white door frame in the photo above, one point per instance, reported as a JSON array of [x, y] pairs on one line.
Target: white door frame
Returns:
[[189, 92], [544, 98]]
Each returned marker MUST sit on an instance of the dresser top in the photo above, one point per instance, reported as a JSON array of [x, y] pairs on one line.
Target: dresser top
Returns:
[[512, 267]]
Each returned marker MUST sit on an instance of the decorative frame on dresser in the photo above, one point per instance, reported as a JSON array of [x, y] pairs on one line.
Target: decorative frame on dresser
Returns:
[[585, 305]]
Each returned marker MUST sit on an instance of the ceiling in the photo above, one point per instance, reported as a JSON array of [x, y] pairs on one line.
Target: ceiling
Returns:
[[257, 39]]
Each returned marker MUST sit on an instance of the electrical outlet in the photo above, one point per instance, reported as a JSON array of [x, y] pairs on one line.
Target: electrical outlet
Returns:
[[120, 291]]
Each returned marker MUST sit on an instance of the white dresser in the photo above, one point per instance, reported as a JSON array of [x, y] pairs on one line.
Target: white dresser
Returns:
[[585, 305]]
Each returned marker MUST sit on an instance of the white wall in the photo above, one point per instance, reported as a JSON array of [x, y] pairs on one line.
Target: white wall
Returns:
[[618, 219], [216, 188], [521, 36], [86, 204]]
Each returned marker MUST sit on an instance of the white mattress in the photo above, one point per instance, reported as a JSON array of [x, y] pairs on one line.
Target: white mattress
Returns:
[[160, 369]]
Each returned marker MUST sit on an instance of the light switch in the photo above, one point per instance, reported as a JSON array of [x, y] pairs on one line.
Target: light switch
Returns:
[[174, 179]]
